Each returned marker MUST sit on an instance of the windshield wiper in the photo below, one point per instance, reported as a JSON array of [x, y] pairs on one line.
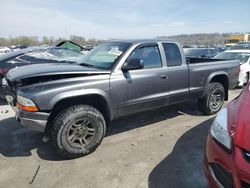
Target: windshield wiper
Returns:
[[87, 65], [90, 66]]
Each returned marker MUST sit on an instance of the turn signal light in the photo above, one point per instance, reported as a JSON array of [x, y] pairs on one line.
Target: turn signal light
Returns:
[[27, 108]]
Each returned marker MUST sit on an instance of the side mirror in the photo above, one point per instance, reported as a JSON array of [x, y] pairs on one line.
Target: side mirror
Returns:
[[133, 64]]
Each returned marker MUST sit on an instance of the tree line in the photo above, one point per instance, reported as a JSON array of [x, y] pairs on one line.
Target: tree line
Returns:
[[36, 41], [206, 39]]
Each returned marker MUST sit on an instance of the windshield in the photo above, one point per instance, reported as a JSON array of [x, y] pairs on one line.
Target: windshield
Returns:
[[105, 55], [240, 46], [241, 56]]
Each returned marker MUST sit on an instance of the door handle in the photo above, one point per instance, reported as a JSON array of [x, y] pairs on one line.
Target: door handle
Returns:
[[163, 76]]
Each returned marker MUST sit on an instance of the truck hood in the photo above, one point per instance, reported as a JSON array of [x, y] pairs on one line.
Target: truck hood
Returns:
[[239, 110], [52, 70]]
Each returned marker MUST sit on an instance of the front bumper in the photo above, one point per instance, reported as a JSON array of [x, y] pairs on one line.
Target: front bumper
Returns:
[[36, 121], [225, 169]]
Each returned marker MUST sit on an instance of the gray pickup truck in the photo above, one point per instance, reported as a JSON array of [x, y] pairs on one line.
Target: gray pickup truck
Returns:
[[75, 103]]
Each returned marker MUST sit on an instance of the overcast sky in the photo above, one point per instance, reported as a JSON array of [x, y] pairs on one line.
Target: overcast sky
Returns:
[[105, 19]]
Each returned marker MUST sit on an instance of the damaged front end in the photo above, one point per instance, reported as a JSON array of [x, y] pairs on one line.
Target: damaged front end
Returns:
[[9, 91], [48, 78], [30, 96], [33, 91], [31, 119]]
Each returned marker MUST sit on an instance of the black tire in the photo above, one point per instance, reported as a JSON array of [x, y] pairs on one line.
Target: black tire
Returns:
[[77, 131], [213, 100]]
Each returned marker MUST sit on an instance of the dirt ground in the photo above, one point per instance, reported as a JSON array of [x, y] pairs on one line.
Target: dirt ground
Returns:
[[158, 148]]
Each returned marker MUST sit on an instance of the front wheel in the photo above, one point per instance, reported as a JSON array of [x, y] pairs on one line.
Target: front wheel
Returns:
[[213, 100], [77, 131]]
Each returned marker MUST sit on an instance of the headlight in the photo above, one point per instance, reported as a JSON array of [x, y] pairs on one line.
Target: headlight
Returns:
[[26, 104], [219, 129]]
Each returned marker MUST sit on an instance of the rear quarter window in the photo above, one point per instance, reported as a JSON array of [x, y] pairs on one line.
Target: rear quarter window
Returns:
[[173, 54]]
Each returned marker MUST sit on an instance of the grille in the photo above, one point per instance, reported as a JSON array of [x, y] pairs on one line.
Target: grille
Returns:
[[245, 184], [222, 175]]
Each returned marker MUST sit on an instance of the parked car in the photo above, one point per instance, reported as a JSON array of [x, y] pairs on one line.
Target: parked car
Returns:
[[227, 156], [200, 52], [241, 46], [244, 57], [221, 49], [88, 47], [38, 55], [75, 103], [4, 50]]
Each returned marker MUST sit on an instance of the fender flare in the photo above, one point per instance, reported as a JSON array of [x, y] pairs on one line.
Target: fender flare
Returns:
[[214, 74], [81, 93]]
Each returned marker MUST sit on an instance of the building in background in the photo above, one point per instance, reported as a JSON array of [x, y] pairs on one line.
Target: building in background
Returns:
[[236, 38]]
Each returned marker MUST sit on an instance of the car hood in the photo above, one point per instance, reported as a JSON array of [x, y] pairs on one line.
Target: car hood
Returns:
[[239, 110], [51, 69]]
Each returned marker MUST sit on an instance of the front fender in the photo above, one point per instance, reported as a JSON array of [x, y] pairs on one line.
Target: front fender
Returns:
[[78, 93]]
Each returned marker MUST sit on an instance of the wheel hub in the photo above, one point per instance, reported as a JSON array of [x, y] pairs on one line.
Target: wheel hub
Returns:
[[216, 99], [81, 133]]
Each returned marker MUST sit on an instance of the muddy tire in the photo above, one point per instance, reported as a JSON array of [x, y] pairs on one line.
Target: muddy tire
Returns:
[[213, 99], [77, 131]]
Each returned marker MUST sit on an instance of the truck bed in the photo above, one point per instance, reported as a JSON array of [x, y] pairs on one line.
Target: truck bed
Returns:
[[191, 60], [207, 66]]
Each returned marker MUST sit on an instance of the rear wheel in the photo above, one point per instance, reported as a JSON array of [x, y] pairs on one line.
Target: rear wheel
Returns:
[[77, 131], [213, 100]]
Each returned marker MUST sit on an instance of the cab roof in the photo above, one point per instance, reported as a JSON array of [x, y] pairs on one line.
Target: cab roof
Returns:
[[136, 41]]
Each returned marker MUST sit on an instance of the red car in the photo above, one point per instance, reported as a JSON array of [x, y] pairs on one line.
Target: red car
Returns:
[[227, 155]]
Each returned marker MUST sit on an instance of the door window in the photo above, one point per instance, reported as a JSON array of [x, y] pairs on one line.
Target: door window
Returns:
[[149, 55]]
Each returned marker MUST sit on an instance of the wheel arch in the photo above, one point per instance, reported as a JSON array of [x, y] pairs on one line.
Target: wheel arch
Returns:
[[95, 98], [222, 78]]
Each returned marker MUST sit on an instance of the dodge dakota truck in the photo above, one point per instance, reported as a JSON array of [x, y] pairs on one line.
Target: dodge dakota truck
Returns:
[[74, 104]]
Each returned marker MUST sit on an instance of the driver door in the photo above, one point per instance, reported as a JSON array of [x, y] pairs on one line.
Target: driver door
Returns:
[[141, 89]]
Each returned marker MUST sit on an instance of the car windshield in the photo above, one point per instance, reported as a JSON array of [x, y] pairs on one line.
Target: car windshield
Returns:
[[240, 46], [241, 56], [105, 55]]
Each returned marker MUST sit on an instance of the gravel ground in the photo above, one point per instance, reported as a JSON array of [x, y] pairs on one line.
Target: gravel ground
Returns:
[[158, 148]]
